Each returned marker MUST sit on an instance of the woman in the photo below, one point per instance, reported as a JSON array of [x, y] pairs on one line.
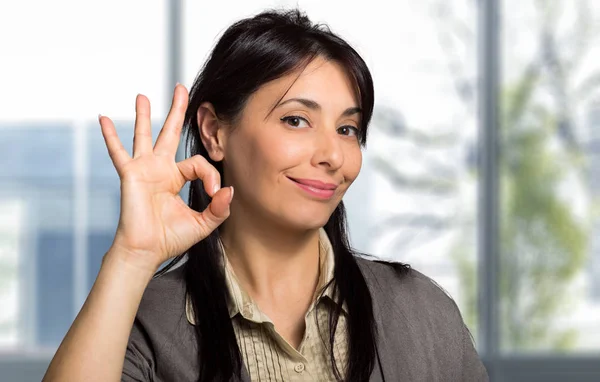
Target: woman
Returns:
[[268, 288]]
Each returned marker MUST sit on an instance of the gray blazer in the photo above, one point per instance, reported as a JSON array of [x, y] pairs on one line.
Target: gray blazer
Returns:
[[422, 336]]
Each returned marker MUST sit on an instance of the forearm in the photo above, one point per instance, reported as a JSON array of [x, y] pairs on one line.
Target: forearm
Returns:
[[94, 347]]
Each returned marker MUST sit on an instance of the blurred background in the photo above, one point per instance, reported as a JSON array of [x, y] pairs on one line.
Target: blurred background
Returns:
[[482, 168]]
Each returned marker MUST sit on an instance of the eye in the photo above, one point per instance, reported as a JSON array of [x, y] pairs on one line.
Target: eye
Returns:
[[293, 120], [348, 130]]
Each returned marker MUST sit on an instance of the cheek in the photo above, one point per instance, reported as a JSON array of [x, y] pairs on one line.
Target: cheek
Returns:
[[242, 156], [352, 164], [262, 157], [280, 151]]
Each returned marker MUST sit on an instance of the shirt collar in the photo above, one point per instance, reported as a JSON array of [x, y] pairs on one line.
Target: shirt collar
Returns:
[[242, 303]]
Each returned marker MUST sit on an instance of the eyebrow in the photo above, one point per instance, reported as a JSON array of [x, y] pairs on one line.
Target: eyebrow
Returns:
[[315, 106]]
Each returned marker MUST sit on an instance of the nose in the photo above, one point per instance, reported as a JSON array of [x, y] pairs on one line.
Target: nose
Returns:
[[328, 150]]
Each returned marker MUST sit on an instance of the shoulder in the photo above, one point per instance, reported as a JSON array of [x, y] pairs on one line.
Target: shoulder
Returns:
[[401, 280], [420, 320], [166, 287], [162, 342], [163, 301], [409, 292]]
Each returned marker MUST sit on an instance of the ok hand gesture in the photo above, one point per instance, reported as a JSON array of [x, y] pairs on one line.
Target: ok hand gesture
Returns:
[[155, 224]]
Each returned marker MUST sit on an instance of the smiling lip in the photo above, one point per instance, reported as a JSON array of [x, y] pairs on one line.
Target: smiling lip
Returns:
[[316, 187], [315, 184]]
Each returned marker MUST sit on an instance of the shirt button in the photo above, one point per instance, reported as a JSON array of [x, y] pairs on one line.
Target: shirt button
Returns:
[[299, 368]]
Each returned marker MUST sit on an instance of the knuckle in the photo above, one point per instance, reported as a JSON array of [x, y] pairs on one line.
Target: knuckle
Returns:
[[199, 158]]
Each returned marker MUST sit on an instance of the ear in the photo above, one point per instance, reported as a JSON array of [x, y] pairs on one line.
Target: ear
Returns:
[[210, 129]]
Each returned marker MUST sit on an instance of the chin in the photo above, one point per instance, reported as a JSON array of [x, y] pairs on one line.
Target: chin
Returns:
[[306, 220]]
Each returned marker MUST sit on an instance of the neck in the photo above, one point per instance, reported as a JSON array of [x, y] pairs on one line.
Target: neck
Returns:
[[271, 263]]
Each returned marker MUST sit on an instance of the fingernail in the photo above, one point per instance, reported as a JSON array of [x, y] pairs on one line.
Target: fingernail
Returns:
[[215, 189], [231, 197]]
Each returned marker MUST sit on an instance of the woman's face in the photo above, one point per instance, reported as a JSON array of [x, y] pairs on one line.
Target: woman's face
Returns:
[[294, 165]]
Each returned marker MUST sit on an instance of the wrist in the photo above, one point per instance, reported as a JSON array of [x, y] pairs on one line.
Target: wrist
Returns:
[[138, 263]]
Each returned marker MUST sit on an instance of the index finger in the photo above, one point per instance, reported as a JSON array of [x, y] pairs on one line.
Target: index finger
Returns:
[[197, 167]]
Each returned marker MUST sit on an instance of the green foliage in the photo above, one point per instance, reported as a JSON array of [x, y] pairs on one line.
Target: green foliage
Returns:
[[543, 246]]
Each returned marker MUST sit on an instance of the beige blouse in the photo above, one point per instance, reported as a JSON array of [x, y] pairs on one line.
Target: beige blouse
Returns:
[[266, 354]]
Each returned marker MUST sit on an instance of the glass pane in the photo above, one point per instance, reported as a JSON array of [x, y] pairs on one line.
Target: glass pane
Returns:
[[415, 199], [36, 230], [54, 290], [11, 230], [550, 174]]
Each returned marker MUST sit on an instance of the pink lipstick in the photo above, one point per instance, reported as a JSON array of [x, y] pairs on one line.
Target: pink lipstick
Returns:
[[316, 188]]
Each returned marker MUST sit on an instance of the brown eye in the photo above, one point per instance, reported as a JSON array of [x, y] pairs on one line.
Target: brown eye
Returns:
[[293, 120], [348, 130]]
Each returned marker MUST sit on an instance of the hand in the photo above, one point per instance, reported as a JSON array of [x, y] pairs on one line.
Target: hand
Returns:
[[155, 224]]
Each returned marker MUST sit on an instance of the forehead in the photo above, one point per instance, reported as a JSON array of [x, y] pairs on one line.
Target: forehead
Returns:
[[323, 81]]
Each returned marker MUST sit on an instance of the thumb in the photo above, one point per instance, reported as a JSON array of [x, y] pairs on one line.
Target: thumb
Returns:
[[216, 212]]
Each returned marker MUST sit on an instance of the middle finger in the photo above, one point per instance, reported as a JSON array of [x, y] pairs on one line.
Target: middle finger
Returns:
[[142, 135], [168, 138]]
